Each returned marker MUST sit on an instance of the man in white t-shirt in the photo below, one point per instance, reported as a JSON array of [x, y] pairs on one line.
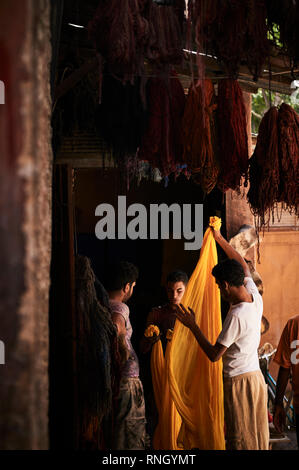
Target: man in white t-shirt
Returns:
[[245, 390]]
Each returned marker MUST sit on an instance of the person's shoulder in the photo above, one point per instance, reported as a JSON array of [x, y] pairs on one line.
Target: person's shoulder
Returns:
[[251, 287], [292, 325], [294, 320], [249, 283], [238, 310], [119, 307]]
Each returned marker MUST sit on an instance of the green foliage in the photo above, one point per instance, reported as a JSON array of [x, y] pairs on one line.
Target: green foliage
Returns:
[[274, 35]]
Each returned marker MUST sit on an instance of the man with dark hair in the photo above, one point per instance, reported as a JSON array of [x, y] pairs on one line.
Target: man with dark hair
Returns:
[[245, 390], [129, 426], [164, 316], [177, 276], [231, 271]]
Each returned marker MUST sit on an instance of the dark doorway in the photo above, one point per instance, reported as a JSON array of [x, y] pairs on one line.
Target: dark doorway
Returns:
[[77, 193]]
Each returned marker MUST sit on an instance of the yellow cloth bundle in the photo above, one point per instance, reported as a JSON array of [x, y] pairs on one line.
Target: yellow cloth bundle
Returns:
[[195, 382], [188, 387], [167, 430]]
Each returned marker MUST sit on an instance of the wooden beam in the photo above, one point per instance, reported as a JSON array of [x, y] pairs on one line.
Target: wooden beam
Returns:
[[280, 80]]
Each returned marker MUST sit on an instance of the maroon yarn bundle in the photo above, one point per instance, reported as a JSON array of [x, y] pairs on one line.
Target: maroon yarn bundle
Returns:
[[234, 31], [288, 133], [199, 134], [264, 173], [233, 143], [166, 42], [274, 166], [161, 144], [119, 33], [127, 32]]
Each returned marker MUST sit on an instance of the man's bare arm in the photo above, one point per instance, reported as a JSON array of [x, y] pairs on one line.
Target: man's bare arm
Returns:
[[214, 352], [119, 322], [279, 413], [231, 252]]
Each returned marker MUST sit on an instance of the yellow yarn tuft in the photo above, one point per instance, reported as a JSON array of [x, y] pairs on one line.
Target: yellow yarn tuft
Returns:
[[151, 331]]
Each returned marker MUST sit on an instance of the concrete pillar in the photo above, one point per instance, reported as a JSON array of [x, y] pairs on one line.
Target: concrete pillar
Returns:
[[25, 222]]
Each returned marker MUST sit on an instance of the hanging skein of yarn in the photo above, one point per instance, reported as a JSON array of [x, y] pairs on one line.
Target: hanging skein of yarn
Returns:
[[288, 135], [232, 31], [233, 153], [165, 44], [256, 43], [119, 33], [264, 177], [161, 143], [274, 166], [191, 123], [125, 33], [283, 19], [199, 134]]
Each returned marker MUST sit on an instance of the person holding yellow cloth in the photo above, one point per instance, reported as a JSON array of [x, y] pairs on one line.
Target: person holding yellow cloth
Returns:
[[245, 390], [196, 383], [188, 388], [160, 323]]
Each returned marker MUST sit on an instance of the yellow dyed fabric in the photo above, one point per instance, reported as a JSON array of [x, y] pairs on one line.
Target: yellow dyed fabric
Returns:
[[195, 383], [169, 424]]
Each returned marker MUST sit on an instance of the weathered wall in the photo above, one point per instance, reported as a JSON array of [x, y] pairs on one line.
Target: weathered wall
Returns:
[[25, 222], [279, 270]]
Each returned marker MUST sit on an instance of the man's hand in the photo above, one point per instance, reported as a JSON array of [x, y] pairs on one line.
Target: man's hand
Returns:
[[216, 233], [147, 343], [185, 317], [279, 418], [153, 339]]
